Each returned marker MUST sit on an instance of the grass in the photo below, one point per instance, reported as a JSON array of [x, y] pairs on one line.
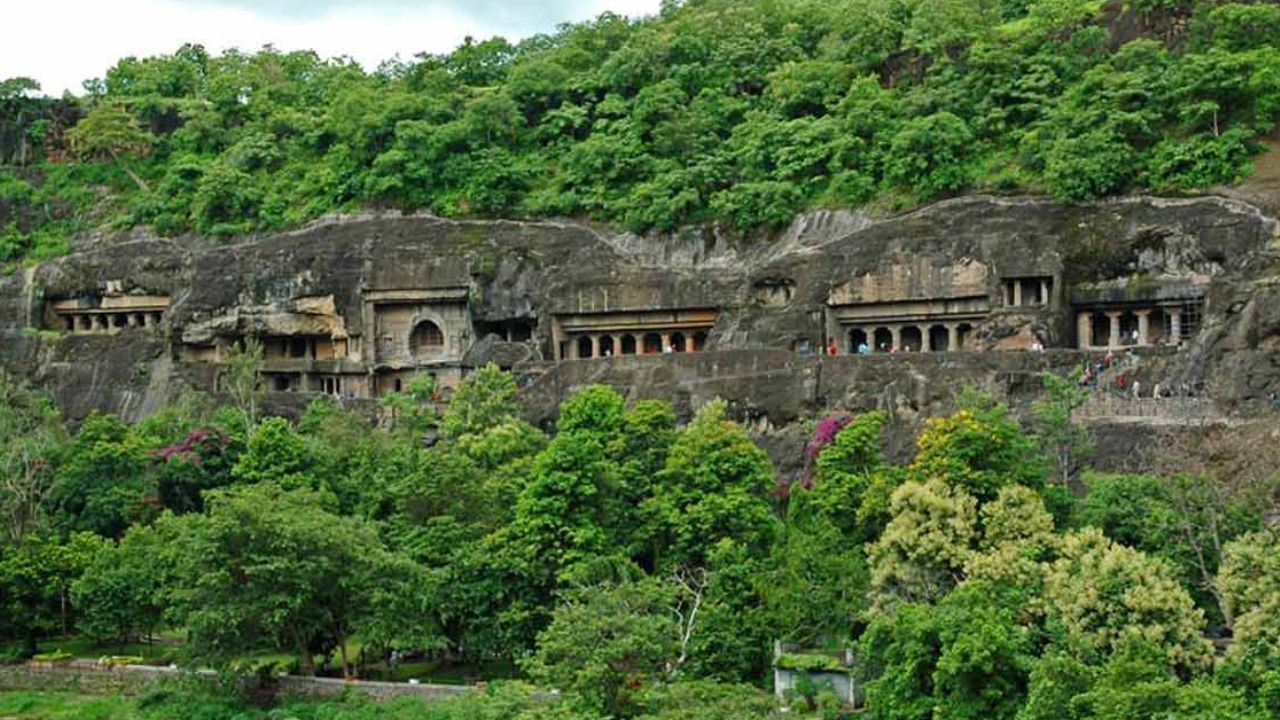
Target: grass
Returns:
[[81, 647], [64, 706], [178, 703], [433, 670], [444, 673]]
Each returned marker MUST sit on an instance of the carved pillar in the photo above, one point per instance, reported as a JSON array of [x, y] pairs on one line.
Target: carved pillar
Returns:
[[617, 345], [132, 320], [1144, 327], [1113, 338], [666, 342], [895, 333], [595, 345], [1175, 326], [953, 337], [1084, 329], [1017, 293], [1044, 291], [924, 339]]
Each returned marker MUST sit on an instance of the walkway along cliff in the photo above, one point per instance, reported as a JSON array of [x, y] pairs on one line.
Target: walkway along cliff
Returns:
[[961, 292]]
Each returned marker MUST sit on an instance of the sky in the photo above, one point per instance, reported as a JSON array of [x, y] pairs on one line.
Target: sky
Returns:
[[61, 43]]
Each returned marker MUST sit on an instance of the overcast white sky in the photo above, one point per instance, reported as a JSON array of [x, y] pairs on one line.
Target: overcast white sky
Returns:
[[63, 42]]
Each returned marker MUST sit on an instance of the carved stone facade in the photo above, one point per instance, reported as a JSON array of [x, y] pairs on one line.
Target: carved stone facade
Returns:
[[1114, 316], [109, 312], [358, 308]]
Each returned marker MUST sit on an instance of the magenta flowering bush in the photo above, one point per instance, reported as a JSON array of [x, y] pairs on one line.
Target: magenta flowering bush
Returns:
[[197, 444], [824, 434]]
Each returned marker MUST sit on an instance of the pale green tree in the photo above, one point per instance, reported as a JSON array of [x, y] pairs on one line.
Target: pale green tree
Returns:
[[1103, 593], [1017, 537], [922, 553], [1249, 584], [1064, 440], [111, 131], [30, 435], [242, 377]]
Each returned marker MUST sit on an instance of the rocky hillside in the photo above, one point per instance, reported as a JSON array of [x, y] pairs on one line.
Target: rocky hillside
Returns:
[[774, 306]]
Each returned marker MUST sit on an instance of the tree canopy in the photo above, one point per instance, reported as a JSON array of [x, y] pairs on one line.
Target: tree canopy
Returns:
[[740, 112]]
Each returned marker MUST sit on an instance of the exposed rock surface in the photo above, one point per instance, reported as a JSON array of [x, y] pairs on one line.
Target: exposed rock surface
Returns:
[[770, 295]]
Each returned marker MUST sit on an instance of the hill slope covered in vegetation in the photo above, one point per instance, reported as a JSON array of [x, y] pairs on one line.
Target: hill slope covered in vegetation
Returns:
[[735, 111]]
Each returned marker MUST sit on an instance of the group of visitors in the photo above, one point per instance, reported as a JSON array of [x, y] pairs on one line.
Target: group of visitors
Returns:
[[833, 349], [1129, 387], [864, 349]]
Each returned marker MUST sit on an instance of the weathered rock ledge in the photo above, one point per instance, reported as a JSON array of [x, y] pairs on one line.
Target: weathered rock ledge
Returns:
[[353, 307]]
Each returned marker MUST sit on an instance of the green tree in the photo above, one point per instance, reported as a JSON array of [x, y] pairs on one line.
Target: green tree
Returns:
[[276, 453], [109, 130], [122, 594], [713, 487], [484, 399], [852, 487], [608, 645], [270, 569], [930, 154], [705, 700], [242, 377], [1136, 683], [1061, 438], [35, 585], [103, 485], [561, 522], [814, 585], [968, 657], [30, 438], [645, 437]]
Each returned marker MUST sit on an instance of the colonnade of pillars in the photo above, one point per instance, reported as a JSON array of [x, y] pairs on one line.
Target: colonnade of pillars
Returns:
[[595, 345], [1117, 337], [108, 322], [934, 337], [1033, 291]]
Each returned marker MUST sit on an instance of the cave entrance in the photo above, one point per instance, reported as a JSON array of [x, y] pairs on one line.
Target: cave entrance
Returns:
[[857, 338], [884, 339], [912, 340]]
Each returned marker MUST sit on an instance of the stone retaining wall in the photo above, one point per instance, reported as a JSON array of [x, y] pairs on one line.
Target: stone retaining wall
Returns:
[[77, 677], [92, 679], [1109, 405]]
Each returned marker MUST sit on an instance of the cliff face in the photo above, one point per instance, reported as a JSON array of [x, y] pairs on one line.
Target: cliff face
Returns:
[[352, 307]]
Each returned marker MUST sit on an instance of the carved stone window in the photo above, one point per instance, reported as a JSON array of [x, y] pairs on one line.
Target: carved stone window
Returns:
[[427, 338]]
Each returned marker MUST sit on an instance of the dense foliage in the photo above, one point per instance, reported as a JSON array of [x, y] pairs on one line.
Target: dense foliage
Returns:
[[736, 111], [642, 567]]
